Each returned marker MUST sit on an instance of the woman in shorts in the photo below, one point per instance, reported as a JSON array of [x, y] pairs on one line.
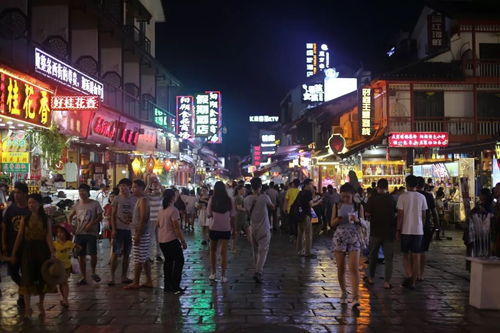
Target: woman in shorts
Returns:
[[221, 209], [346, 240]]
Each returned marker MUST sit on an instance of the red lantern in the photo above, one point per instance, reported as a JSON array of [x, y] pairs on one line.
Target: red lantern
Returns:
[[167, 165]]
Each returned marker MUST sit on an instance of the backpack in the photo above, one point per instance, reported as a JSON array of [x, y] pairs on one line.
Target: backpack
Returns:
[[296, 210]]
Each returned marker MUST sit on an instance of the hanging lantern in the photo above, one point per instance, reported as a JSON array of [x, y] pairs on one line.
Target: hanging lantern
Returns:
[[167, 165], [136, 166], [150, 164]]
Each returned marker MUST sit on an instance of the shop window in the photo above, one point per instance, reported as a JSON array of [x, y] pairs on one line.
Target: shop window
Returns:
[[429, 104], [488, 105]]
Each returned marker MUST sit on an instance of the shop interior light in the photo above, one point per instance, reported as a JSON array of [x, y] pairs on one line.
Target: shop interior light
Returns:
[[2, 124], [20, 125], [10, 122]]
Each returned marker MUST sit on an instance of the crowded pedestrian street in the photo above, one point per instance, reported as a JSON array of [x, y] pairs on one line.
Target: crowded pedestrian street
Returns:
[[249, 166], [297, 295]]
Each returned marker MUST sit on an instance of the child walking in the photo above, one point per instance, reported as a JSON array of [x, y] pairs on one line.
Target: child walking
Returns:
[[63, 247]]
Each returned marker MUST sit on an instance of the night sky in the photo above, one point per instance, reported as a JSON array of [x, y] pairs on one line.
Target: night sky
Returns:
[[254, 51]]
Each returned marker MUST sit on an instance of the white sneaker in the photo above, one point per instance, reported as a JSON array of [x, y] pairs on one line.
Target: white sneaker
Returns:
[[212, 277], [224, 279]]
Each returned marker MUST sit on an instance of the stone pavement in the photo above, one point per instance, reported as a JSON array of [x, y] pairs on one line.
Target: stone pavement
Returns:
[[298, 295]]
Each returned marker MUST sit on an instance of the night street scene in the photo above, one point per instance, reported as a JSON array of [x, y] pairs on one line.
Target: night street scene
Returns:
[[250, 166]]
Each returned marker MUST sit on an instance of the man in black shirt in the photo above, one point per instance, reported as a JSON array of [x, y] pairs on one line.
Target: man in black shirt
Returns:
[[430, 216], [10, 226], [303, 216], [381, 210]]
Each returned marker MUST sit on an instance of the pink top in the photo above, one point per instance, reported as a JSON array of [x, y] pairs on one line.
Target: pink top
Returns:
[[165, 226], [221, 221]]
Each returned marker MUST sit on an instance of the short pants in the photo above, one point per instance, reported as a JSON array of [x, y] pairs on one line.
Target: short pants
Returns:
[[219, 235], [88, 244], [141, 250], [411, 243], [345, 239], [122, 242]]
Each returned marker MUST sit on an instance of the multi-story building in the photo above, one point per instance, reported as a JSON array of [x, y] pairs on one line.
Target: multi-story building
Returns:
[[110, 40], [81, 48]]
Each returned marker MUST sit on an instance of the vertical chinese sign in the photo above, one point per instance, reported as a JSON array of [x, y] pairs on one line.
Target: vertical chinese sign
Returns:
[[184, 115], [214, 117], [365, 114], [435, 31], [317, 58], [24, 100], [202, 116]]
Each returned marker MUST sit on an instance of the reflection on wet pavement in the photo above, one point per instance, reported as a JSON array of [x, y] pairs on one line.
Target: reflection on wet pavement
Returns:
[[298, 295]]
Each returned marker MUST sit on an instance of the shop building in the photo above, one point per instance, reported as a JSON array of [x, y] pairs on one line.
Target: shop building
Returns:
[[103, 49]]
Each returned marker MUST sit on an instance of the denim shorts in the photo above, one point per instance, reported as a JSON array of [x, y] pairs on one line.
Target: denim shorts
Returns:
[[411, 243], [122, 244], [88, 244]]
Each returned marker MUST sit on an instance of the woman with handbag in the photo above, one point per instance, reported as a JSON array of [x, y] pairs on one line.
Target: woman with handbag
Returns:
[[346, 215]]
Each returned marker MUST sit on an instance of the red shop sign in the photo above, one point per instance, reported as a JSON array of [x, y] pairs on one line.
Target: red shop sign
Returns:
[[418, 139], [128, 133], [104, 127], [24, 98]]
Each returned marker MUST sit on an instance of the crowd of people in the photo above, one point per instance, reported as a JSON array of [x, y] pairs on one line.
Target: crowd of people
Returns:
[[144, 221]]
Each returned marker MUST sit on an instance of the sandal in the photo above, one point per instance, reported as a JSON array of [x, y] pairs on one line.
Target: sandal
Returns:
[[132, 286]]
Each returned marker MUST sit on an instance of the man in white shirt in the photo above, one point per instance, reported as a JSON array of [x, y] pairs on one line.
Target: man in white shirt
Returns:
[[412, 208]]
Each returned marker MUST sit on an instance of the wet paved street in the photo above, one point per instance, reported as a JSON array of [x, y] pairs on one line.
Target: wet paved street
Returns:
[[298, 295]]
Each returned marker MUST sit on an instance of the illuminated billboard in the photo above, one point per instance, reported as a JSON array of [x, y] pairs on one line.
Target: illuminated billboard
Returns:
[[317, 58]]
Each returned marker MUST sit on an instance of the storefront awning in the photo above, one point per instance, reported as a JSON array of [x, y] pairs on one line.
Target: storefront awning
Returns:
[[472, 147], [377, 139]]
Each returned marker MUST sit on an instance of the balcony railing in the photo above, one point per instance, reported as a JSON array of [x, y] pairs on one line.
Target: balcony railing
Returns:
[[483, 68], [139, 37], [457, 127]]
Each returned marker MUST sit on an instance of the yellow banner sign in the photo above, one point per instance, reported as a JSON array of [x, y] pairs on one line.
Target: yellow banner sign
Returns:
[[15, 157]]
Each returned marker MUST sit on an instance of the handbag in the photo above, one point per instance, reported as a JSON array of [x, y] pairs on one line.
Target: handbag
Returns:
[[363, 232], [75, 266]]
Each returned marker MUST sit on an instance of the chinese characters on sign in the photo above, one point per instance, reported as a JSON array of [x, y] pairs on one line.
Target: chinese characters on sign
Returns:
[[202, 116], [74, 102], [15, 162], [268, 142], [104, 127], [214, 115], [57, 70], [264, 119], [366, 111], [22, 100], [418, 139], [256, 155], [435, 31], [313, 92], [184, 108], [317, 58]]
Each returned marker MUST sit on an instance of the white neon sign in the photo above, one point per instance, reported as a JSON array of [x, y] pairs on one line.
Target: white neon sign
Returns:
[[55, 69], [264, 119], [317, 58]]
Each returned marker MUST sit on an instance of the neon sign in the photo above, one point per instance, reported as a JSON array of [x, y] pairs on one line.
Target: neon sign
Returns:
[[202, 116], [20, 99], [74, 102], [313, 92], [317, 58], [214, 116], [418, 139], [184, 114], [366, 111], [264, 119], [55, 69], [104, 127]]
